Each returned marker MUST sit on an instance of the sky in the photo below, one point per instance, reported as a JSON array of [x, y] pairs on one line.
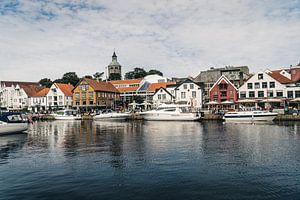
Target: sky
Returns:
[[46, 38]]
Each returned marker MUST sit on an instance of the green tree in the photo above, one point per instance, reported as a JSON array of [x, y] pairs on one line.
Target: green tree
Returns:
[[98, 75], [154, 71], [46, 82], [114, 76], [69, 77], [136, 73]]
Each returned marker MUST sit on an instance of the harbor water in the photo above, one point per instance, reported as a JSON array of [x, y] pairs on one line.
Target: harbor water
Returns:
[[151, 160]]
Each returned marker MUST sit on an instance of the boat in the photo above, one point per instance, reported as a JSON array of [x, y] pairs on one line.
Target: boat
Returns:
[[249, 116], [171, 112], [11, 122], [67, 114], [110, 115]]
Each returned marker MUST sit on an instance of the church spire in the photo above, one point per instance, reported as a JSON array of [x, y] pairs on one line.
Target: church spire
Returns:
[[114, 56]]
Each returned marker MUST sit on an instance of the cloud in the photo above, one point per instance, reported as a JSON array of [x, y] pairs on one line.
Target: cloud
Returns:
[[43, 38]]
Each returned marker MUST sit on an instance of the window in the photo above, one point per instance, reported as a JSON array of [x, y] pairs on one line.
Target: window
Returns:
[[251, 94], [185, 86], [164, 96], [260, 76], [77, 94], [279, 93], [272, 84], [91, 103], [257, 85], [264, 85], [243, 94], [50, 98], [91, 94], [183, 95], [250, 85], [290, 94], [297, 93], [270, 93], [261, 94], [159, 96], [194, 94], [191, 86], [83, 95], [223, 94]]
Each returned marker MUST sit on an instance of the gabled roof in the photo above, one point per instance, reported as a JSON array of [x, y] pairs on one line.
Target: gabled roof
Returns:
[[154, 86], [65, 88], [164, 90], [127, 81], [279, 77], [127, 89], [223, 78], [188, 80], [42, 93], [20, 83], [31, 90], [101, 86]]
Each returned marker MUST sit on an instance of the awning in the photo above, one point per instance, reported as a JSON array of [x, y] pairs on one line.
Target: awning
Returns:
[[212, 103], [227, 102], [272, 100], [247, 101]]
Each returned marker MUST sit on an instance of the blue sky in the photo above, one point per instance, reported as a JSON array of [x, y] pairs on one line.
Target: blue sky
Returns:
[[45, 38]]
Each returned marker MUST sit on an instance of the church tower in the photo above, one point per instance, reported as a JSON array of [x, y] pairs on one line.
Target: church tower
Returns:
[[114, 69]]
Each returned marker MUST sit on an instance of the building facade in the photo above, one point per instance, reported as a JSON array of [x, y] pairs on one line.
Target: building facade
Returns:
[[114, 69], [59, 96], [90, 94]]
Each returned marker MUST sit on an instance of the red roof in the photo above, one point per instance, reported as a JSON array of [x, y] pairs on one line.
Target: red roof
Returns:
[[128, 89], [279, 77], [31, 90], [41, 93], [101, 85], [154, 86], [65, 88], [127, 81]]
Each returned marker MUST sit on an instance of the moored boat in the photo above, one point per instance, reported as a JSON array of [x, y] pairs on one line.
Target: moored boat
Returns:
[[249, 116], [171, 112], [112, 116], [67, 114], [12, 123]]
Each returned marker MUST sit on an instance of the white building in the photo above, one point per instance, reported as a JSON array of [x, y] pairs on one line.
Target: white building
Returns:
[[60, 96], [16, 95], [38, 101], [163, 95]]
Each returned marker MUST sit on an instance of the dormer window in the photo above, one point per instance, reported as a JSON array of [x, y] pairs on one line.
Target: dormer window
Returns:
[[260, 76]]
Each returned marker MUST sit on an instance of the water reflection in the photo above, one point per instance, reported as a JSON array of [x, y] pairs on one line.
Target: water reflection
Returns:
[[101, 160]]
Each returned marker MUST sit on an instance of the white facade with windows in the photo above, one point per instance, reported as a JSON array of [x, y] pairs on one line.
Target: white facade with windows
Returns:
[[162, 95], [57, 97], [262, 85]]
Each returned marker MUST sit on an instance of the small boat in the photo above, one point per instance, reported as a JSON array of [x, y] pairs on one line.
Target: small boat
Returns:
[[112, 116], [67, 114], [171, 112], [249, 116], [11, 122]]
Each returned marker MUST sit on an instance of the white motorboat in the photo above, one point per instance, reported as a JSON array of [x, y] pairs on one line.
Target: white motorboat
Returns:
[[112, 116], [12, 123], [171, 112], [67, 114], [249, 116]]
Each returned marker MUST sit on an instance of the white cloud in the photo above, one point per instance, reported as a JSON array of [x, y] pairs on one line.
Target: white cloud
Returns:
[[47, 38]]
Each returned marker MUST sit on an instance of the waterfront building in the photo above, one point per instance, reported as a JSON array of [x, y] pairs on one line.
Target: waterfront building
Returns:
[[163, 95], [127, 88], [235, 74], [59, 96], [223, 94], [38, 101], [114, 69], [14, 95], [90, 94]]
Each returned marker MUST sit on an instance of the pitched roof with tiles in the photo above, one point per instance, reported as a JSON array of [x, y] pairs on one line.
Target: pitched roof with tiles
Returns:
[[31, 90], [101, 86], [20, 83], [279, 77], [42, 93], [154, 86], [65, 88], [128, 89], [127, 81]]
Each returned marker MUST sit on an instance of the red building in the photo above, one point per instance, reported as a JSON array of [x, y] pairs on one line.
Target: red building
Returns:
[[223, 94]]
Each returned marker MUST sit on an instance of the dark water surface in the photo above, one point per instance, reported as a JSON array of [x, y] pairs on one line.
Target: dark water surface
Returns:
[[151, 160]]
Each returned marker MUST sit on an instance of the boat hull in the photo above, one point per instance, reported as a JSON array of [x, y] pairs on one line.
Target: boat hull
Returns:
[[10, 128], [67, 117], [250, 118], [112, 116], [170, 117]]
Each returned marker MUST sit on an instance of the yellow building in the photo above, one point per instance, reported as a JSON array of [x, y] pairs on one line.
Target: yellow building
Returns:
[[91, 94]]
